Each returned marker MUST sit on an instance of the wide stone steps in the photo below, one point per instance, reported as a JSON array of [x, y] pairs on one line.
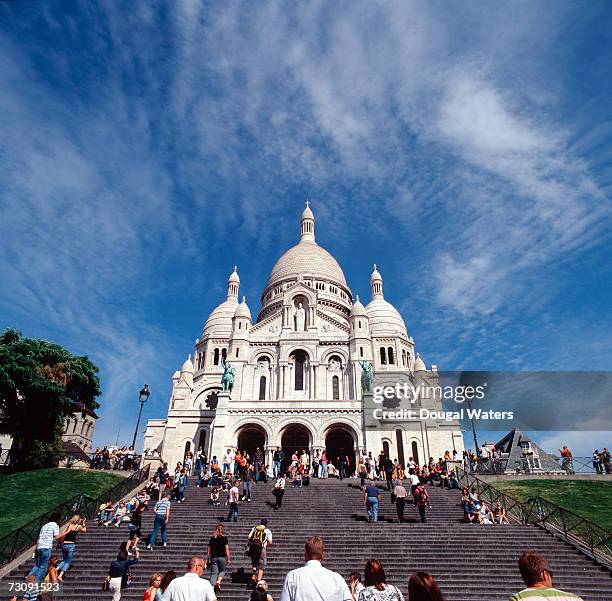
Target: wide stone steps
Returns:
[[464, 558]]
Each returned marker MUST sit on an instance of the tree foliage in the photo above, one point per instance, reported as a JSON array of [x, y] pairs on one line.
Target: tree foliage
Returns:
[[41, 384]]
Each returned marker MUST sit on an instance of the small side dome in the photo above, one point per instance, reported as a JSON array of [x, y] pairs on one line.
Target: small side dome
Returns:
[[187, 366], [242, 310], [419, 364], [358, 310]]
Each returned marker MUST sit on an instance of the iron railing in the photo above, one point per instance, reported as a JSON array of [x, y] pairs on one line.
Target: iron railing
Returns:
[[23, 537], [580, 532]]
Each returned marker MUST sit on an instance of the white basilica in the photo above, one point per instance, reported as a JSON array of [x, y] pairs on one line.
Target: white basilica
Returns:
[[297, 372]]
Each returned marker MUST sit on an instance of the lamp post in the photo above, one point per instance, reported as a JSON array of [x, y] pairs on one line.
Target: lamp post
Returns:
[[143, 398]]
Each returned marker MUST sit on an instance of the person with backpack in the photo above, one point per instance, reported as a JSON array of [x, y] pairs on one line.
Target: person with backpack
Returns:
[[259, 539], [421, 498]]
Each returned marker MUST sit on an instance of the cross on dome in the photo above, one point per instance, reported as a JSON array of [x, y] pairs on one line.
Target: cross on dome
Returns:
[[307, 223]]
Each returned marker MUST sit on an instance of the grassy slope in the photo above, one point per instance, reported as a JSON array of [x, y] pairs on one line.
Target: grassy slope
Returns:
[[28, 494], [589, 498]]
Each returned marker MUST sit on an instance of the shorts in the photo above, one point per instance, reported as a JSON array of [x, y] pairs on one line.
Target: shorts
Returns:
[[259, 559], [134, 531]]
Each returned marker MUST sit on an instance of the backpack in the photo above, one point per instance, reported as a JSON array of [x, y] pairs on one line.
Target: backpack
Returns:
[[258, 538], [422, 496]]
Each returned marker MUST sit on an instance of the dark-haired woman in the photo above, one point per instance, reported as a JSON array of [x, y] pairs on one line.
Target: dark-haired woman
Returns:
[[376, 587], [423, 587]]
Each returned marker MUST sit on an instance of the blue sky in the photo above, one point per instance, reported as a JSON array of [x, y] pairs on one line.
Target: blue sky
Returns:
[[147, 147]]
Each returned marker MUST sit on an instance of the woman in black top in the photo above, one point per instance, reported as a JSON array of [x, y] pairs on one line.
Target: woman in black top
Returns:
[[218, 556]]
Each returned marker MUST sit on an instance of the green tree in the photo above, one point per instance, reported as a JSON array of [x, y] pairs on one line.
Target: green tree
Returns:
[[41, 384]]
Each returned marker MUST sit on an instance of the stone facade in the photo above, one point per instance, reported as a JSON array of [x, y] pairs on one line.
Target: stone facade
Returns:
[[297, 372]]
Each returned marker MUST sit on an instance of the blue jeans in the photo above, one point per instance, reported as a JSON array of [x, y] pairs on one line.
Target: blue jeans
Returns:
[[233, 514], [160, 522], [372, 506], [68, 551], [342, 470], [276, 469], [246, 492], [217, 569], [41, 563], [226, 467]]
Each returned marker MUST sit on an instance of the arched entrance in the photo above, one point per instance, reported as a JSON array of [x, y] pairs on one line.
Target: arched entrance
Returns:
[[251, 437], [295, 439], [339, 440]]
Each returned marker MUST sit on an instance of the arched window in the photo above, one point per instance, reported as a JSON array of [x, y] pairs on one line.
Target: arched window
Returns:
[[400, 448], [335, 388], [403, 357], [415, 452], [359, 322], [237, 351], [390, 353], [224, 353], [386, 449], [262, 388], [74, 427], [299, 361], [361, 351], [383, 356], [216, 357]]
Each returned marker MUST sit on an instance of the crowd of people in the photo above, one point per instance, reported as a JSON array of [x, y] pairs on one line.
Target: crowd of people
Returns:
[[236, 469], [114, 458]]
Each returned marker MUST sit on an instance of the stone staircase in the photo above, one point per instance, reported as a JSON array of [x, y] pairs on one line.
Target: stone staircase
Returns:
[[470, 562]]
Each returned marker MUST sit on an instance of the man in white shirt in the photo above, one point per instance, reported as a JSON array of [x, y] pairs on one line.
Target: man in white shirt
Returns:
[[313, 582], [46, 538], [233, 500], [191, 586]]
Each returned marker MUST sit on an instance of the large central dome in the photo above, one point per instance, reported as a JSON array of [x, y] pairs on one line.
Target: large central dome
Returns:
[[307, 258]]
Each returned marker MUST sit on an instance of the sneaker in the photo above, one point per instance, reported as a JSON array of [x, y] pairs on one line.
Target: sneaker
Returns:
[[149, 548], [165, 544], [249, 500]]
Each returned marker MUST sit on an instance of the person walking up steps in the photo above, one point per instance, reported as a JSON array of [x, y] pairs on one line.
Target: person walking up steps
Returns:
[[260, 538], [162, 515], [313, 582], [191, 586], [370, 500], [421, 498], [218, 557], [233, 500]]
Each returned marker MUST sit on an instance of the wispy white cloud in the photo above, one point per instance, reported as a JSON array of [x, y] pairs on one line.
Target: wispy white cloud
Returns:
[[198, 128]]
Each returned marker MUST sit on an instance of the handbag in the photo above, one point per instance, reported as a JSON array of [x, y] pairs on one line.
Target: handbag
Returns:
[[106, 583]]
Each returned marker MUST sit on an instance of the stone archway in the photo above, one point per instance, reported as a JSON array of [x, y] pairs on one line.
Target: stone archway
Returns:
[[340, 440], [294, 439], [250, 437]]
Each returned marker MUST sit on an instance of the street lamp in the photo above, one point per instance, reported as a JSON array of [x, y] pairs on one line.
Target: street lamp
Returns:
[[143, 398]]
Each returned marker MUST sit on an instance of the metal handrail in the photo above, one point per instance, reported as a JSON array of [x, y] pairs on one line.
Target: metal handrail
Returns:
[[588, 537], [17, 541]]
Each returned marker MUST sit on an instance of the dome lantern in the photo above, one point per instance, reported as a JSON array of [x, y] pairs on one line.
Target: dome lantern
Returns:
[[307, 223], [233, 284], [376, 283]]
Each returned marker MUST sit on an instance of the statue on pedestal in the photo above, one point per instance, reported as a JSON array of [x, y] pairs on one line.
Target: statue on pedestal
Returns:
[[300, 318], [227, 380], [366, 376]]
